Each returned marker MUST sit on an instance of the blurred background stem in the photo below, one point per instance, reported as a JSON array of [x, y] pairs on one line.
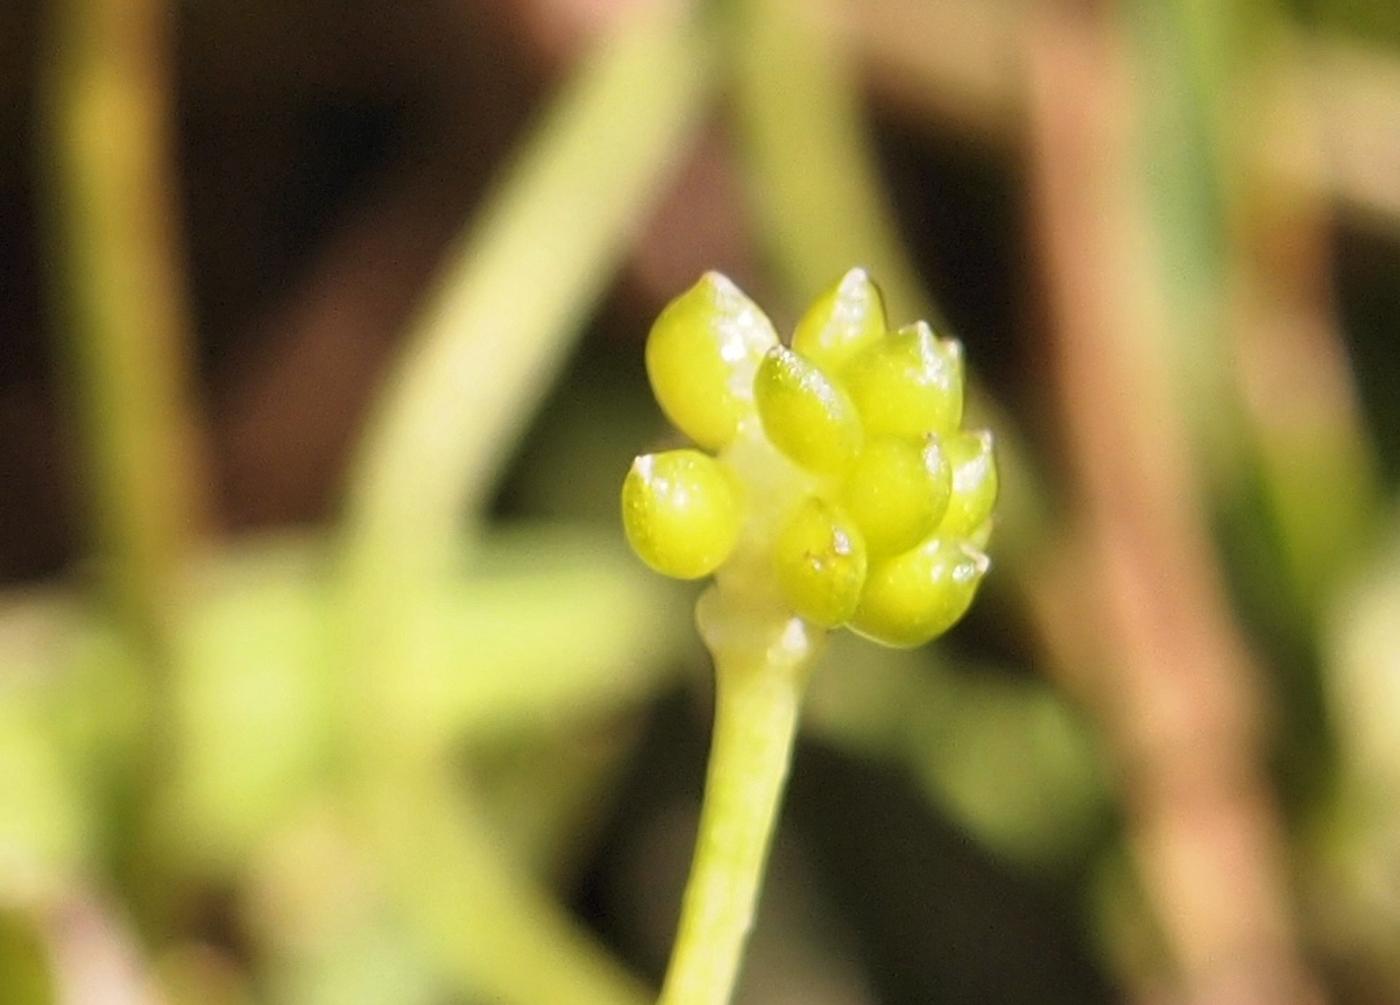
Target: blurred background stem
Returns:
[[491, 929], [1294, 376], [120, 300], [1179, 698], [119, 293], [807, 158], [498, 329], [516, 293]]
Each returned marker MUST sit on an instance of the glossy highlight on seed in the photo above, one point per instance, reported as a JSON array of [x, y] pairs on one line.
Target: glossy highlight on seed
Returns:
[[909, 384], [681, 512], [701, 356], [805, 414], [973, 460], [898, 491], [845, 319], [917, 596]]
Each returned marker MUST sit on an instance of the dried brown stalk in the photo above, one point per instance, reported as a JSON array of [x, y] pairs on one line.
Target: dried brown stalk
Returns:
[[1178, 696]]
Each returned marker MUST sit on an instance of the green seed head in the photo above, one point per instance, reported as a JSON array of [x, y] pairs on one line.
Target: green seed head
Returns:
[[915, 597], [898, 491], [845, 319], [701, 356], [909, 384], [805, 414], [974, 482], [681, 512], [872, 507], [819, 558]]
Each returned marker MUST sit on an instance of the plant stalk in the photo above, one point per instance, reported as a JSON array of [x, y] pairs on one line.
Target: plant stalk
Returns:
[[120, 301], [758, 693]]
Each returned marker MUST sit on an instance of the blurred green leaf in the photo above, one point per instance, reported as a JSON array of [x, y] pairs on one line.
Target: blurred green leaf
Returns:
[[45, 829], [68, 708], [366, 964], [494, 933], [549, 798], [554, 627], [24, 965], [1017, 766], [562, 627], [1005, 757], [251, 701], [558, 626]]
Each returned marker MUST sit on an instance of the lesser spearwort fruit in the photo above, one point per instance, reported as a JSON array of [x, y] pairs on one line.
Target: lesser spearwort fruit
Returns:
[[835, 488], [841, 485]]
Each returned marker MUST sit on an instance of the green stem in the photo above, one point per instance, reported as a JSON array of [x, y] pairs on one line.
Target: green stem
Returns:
[[484, 351], [511, 301], [123, 350], [795, 89], [759, 681], [491, 928], [120, 297]]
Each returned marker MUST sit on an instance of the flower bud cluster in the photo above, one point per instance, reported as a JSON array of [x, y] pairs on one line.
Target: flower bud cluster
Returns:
[[841, 486]]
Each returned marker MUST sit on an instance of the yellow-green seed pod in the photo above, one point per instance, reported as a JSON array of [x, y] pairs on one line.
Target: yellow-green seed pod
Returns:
[[897, 492], [908, 384], [973, 460], [819, 557], [915, 597], [805, 414], [681, 511], [701, 356], [845, 319]]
